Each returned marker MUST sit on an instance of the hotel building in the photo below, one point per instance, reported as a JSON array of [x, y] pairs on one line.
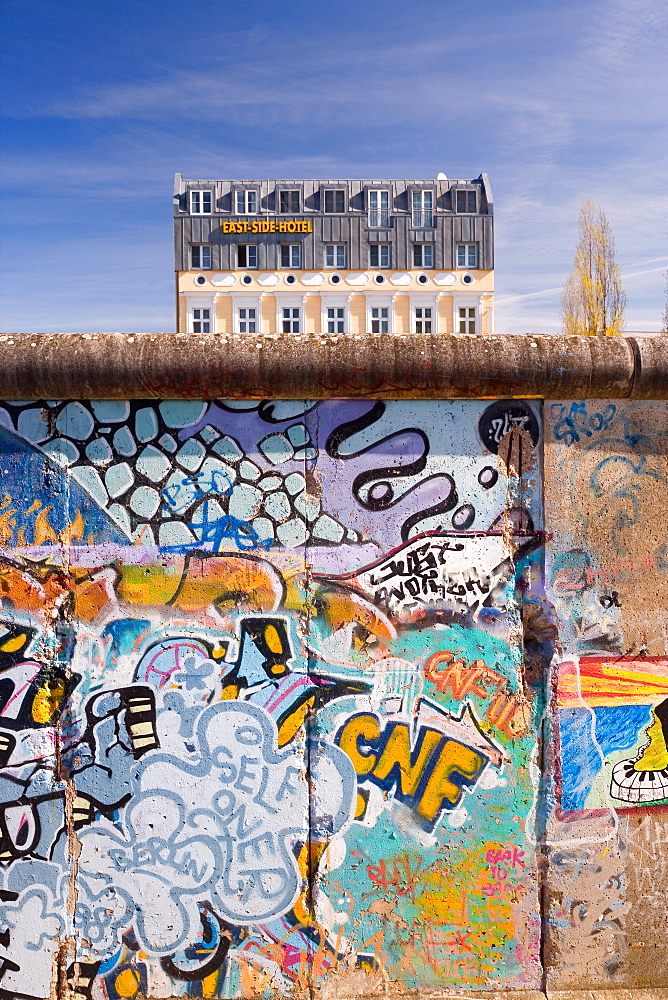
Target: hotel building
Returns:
[[334, 256]]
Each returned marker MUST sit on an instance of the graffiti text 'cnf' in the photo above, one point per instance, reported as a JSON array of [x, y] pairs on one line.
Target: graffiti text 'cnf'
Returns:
[[428, 772], [508, 712]]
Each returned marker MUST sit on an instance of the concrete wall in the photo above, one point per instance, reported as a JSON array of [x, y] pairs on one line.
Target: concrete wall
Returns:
[[606, 496], [332, 698]]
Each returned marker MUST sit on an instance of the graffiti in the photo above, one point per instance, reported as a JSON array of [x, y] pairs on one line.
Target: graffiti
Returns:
[[621, 703], [458, 572], [588, 609], [158, 473], [580, 419], [504, 863], [617, 516], [500, 418], [216, 483], [429, 773], [508, 712], [229, 838], [402, 875], [610, 587], [606, 495], [589, 912], [263, 722]]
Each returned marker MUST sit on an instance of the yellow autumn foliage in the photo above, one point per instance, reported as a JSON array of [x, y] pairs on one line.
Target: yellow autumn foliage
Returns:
[[593, 300]]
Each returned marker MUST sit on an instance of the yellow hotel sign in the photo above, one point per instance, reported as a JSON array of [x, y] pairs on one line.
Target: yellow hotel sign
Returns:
[[268, 226]]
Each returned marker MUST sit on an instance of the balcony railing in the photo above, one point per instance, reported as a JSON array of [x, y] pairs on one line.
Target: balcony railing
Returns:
[[379, 218], [423, 219]]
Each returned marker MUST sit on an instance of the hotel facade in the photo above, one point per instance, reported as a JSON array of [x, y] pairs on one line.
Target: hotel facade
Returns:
[[334, 256]]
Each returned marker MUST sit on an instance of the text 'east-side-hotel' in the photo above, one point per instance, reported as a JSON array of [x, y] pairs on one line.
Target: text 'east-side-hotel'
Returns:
[[334, 256]]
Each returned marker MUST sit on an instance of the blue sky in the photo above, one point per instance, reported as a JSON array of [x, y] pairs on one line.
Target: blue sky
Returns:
[[103, 101]]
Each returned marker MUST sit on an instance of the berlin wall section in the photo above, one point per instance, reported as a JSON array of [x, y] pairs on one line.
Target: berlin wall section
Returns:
[[315, 699], [606, 500]]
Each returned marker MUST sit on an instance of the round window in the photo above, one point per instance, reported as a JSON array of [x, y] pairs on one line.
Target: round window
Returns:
[[291, 279]]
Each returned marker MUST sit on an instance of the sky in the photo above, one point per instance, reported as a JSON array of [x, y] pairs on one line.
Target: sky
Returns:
[[102, 102]]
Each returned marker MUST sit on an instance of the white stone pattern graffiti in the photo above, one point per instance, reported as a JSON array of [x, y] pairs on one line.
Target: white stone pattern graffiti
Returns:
[[166, 476]]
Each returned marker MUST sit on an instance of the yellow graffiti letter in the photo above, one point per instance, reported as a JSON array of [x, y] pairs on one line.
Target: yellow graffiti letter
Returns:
[[397, 750], [453, 759], [361, 728]]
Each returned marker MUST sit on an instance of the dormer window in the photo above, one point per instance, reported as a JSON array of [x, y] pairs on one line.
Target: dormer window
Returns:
[[467, 202], [200, 202], [379, 209], [246, 202], [423, 209], [335, 201], [289, 202]]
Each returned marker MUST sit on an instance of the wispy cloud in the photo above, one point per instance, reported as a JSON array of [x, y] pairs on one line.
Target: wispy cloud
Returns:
[[557, 102]]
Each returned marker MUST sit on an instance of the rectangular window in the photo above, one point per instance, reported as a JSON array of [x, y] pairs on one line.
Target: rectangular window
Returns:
[[379, 209], [467, 201], [423, 255], [467, 255], [335, 319], [467, 320], [247, 255], [423, 208], [247, 321], [290, 320], [379, 255], [291, 254], [335, 201], [246, 202], [200, 202], [423, 319], [335, 255], [380, 319], [289, 202], [200, 257], [201, 321]]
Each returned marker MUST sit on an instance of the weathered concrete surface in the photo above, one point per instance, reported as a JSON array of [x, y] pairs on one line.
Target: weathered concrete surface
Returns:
[[462, 994], [291, 366], [651, 374], [267, 728], [621, 994], [606, 511], [334, 699]]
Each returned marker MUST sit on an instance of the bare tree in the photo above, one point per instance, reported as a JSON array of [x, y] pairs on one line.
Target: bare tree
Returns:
[[593, 300]]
